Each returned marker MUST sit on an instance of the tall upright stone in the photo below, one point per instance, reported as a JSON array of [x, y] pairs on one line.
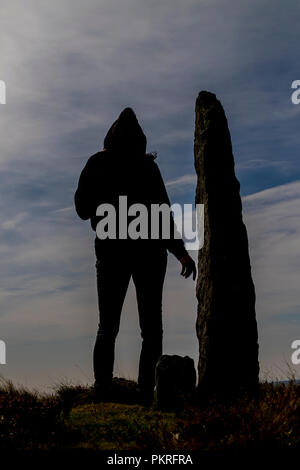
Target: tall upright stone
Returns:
[[226, 322]]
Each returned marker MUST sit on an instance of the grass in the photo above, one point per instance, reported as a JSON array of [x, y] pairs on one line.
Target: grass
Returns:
[[69, 419]]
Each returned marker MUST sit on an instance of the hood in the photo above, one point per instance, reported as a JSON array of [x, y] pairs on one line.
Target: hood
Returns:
[[126, 135]]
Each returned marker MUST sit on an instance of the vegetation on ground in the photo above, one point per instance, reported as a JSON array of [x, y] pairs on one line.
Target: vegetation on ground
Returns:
[[70, 419]]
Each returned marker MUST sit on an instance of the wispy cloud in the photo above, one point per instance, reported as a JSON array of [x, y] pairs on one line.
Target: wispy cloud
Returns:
[[259, 163], [184, 180], [272, 218]]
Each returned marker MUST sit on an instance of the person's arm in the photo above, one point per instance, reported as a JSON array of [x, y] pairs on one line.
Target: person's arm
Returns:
[[174, 245]]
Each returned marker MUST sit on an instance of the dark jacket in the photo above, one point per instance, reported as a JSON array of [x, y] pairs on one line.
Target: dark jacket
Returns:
[[123, 168]]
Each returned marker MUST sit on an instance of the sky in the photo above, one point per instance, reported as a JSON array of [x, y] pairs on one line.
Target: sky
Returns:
[[70, 67]]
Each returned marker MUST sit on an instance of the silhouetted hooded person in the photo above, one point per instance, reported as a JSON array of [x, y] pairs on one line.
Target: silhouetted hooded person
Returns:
[[123, 168]]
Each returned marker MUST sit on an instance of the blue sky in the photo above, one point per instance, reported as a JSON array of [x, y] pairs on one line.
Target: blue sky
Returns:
[[70, 67]]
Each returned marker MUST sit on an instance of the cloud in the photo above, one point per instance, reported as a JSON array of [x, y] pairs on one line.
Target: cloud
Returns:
[[258, 163], [69, 70], [182, 186], [12, 223], [181, 181], [272, 219]]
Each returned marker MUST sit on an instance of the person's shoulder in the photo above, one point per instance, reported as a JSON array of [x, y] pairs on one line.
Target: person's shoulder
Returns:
[[149, 160], [151, 156], [96, 158], [98, 155]]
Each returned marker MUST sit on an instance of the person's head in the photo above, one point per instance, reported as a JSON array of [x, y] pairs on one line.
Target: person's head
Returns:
[[126, 135]]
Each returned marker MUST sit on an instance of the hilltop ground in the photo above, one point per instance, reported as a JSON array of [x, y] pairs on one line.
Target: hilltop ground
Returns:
[[69, 419]]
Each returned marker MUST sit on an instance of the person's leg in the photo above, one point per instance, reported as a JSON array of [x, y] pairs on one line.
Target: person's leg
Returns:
[[113, 276], [148, 276]]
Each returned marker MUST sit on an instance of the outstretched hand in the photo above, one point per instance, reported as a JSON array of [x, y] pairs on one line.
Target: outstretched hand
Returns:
[[188, 266]]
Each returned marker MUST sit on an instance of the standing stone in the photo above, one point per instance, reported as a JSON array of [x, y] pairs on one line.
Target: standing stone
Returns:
[[226, 323]]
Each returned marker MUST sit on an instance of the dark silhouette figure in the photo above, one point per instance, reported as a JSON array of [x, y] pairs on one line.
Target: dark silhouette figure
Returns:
[[124, 168]]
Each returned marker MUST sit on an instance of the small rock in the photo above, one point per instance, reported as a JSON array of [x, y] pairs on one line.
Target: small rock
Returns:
[[175, 381]]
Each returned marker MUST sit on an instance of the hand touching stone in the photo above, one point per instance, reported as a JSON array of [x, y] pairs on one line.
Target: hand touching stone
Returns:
[[188, 266]]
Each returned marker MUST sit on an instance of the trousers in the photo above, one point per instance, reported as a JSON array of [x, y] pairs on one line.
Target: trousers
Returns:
[[114, 269]]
